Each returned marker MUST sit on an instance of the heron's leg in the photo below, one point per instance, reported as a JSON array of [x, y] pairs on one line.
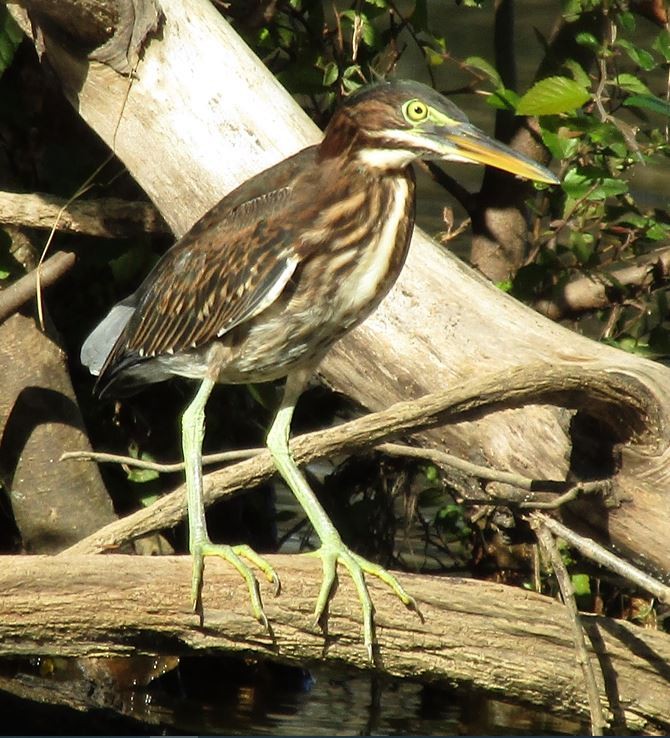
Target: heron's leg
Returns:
[[332, 550], [193, 432]]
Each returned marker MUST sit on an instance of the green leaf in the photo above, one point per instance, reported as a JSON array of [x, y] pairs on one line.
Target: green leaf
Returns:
[[626, 21], [477, 62], [141, 476], [503, 99], [641, 57], [505, 285], [433, 58], [592, 184], [330, 74], [571, 10], [578, 73], [367, 30], [553, 95], [10, 38], [648, 102], [658, 232], [432, 475], [351, 78], [604, 134], [630, 344], [582, 245], [587, 39], [662, 44], [631, 83], [561, 147], [581, 584]]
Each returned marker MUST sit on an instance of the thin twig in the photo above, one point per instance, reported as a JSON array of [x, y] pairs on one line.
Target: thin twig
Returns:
[[467, 467], [548, 544], [595, 552], [81, 190], [19, 292], [599, 486], [52, 232], [504, 477], [393, 449], [208, 460]]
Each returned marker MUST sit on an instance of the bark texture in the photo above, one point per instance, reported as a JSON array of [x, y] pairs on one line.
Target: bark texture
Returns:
[[476, 633], [54, 504]]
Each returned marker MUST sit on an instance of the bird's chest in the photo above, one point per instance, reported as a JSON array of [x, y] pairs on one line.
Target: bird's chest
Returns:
[[353, 250], [360, 256]]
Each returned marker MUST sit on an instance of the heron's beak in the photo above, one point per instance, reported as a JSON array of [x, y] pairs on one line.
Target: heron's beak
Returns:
[[465, 142]]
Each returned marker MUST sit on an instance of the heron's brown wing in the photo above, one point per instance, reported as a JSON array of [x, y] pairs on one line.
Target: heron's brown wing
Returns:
[[206, 285], [230, 266]]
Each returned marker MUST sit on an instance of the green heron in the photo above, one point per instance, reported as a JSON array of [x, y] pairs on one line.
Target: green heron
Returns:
[[273, 275]]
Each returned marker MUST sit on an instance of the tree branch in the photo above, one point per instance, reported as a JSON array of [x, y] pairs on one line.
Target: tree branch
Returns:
[[574, 387], [548, 545], [25, 288], [592, 292], [105, 217]]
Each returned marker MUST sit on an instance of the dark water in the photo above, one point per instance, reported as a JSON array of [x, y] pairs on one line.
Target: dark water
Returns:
[[231, 697]]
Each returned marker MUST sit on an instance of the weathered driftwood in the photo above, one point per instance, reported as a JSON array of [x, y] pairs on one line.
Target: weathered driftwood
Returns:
[[476, 633], [604, 392], [105, 217], [189, 135]]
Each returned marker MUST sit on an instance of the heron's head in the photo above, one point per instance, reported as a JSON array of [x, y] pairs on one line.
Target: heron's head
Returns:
[[390, 124]]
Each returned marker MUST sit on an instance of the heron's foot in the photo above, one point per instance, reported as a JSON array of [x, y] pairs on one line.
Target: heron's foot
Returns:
[[333, 553], [238, 557]]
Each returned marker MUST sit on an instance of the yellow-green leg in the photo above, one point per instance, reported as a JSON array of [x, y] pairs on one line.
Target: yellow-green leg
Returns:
[[332, 550], [193, 432]]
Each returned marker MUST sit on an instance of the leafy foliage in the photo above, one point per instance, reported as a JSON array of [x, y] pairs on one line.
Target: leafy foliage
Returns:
[[10, 38]]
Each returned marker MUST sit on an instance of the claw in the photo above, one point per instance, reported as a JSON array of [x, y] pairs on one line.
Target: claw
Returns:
[[357, 566], [233, 555]]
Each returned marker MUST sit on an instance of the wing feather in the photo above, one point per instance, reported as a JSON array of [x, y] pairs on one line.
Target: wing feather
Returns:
[[230, 266]]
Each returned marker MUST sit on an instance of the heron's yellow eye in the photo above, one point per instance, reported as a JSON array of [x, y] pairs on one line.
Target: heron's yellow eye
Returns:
[[415, 111]]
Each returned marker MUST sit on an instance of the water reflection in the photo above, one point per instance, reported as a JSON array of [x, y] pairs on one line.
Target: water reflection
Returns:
[[208, 695]]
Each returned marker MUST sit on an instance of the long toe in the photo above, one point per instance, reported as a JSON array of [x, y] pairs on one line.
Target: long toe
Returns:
[[246, 552], [333, 553], [391, 581], [236, 556]]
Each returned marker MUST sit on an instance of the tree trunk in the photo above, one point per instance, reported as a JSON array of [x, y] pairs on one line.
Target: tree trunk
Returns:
[[476, 633], [54, 505]]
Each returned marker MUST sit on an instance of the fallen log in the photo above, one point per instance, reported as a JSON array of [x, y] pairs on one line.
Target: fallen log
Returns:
[[479, 634]]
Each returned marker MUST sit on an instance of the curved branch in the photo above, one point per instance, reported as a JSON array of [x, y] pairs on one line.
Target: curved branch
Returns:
[[25, 288], [631, 412]]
